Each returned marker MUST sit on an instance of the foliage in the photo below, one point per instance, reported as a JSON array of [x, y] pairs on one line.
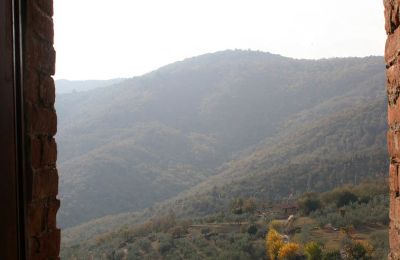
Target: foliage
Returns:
[[274, 243], [135, 143], [218, 237], [216, 127], [289, 251], [309, 202], [249, 205], [332, 255], [380, 242], [371, 208], [277, 225], [252, 229], [313, 251], [355, 251]]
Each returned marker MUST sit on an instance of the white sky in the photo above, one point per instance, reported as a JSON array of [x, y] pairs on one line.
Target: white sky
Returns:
[[102, 39]]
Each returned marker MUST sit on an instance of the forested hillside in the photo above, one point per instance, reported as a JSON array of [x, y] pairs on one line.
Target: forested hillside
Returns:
[[194, 134], [349, 220]]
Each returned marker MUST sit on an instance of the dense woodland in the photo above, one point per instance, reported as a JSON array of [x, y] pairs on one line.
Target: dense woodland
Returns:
[[194, 135]]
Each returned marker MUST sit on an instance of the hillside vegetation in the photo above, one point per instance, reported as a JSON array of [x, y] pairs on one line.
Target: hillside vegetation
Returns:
[[349, 220], [191, 136]]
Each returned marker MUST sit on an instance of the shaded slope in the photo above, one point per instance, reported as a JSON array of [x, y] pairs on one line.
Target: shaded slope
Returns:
[[145, 140]]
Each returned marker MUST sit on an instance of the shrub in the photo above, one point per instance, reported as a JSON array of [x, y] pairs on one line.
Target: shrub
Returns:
[[166, 243], [252, 229], [309, 202], [249, 205], [357, 251], [339, 196], [144, 244], [177, 231], [289, 251], [345, 198], [277, 225], [313, 251], [332, 255]]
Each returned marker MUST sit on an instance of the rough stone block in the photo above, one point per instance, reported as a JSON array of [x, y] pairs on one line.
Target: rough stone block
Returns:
[[47, 90], [45, 246], [40, 121], [392, 46], [41, 22], [393, 142], [391, 15], [41, 55], [45, 184], [46, 6], [394, 178], [49, 155], [31, 90]]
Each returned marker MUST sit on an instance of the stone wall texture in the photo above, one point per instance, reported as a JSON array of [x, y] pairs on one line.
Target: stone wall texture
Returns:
[[40, 127], [392, 59]]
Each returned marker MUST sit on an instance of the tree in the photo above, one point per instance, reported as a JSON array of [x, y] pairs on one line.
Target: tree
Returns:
[[289, 251], [273, 243], [358, 250], [237, 206], [346, 198], [252, 229], [309, 202]]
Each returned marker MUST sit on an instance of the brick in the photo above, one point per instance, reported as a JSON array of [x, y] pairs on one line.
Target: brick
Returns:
[[392, 46], [41, 22], [31, 86], [392, 210], [393, 74], [45, 184], [54, 206], [39, 129], [394, 178], [41, 55], [35, 152], [388, 15], [42, 151], [39, 120], [42, 215], [35, 218], [45, 246], [393, 143], [391, 15], [47, 90], [46, 6], [49, 154], [394, 237], [393, 116]]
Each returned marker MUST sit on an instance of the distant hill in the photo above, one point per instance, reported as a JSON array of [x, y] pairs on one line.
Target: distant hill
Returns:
[[64, 86], [232, 123]]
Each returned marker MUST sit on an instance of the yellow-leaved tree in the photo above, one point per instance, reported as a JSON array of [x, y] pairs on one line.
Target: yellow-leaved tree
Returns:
[[289, 251], [273, 243]]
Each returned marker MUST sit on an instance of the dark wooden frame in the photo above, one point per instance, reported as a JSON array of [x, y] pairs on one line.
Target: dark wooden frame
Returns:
[[12, 212]]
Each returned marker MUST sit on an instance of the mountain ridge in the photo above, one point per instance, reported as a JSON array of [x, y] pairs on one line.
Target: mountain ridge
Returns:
[[175, 127]]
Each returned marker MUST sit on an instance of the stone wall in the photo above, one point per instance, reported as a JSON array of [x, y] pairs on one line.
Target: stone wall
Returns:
[[392, 53], [40, 127]]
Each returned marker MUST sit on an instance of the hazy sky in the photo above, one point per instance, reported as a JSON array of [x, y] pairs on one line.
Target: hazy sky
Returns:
[[101, 39]]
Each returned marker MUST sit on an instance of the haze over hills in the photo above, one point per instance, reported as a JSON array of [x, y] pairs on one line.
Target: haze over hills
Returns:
[[64, 86], [218, 126]]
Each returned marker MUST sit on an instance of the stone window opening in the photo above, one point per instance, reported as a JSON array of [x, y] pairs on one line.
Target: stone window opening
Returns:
[[29, 178]]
